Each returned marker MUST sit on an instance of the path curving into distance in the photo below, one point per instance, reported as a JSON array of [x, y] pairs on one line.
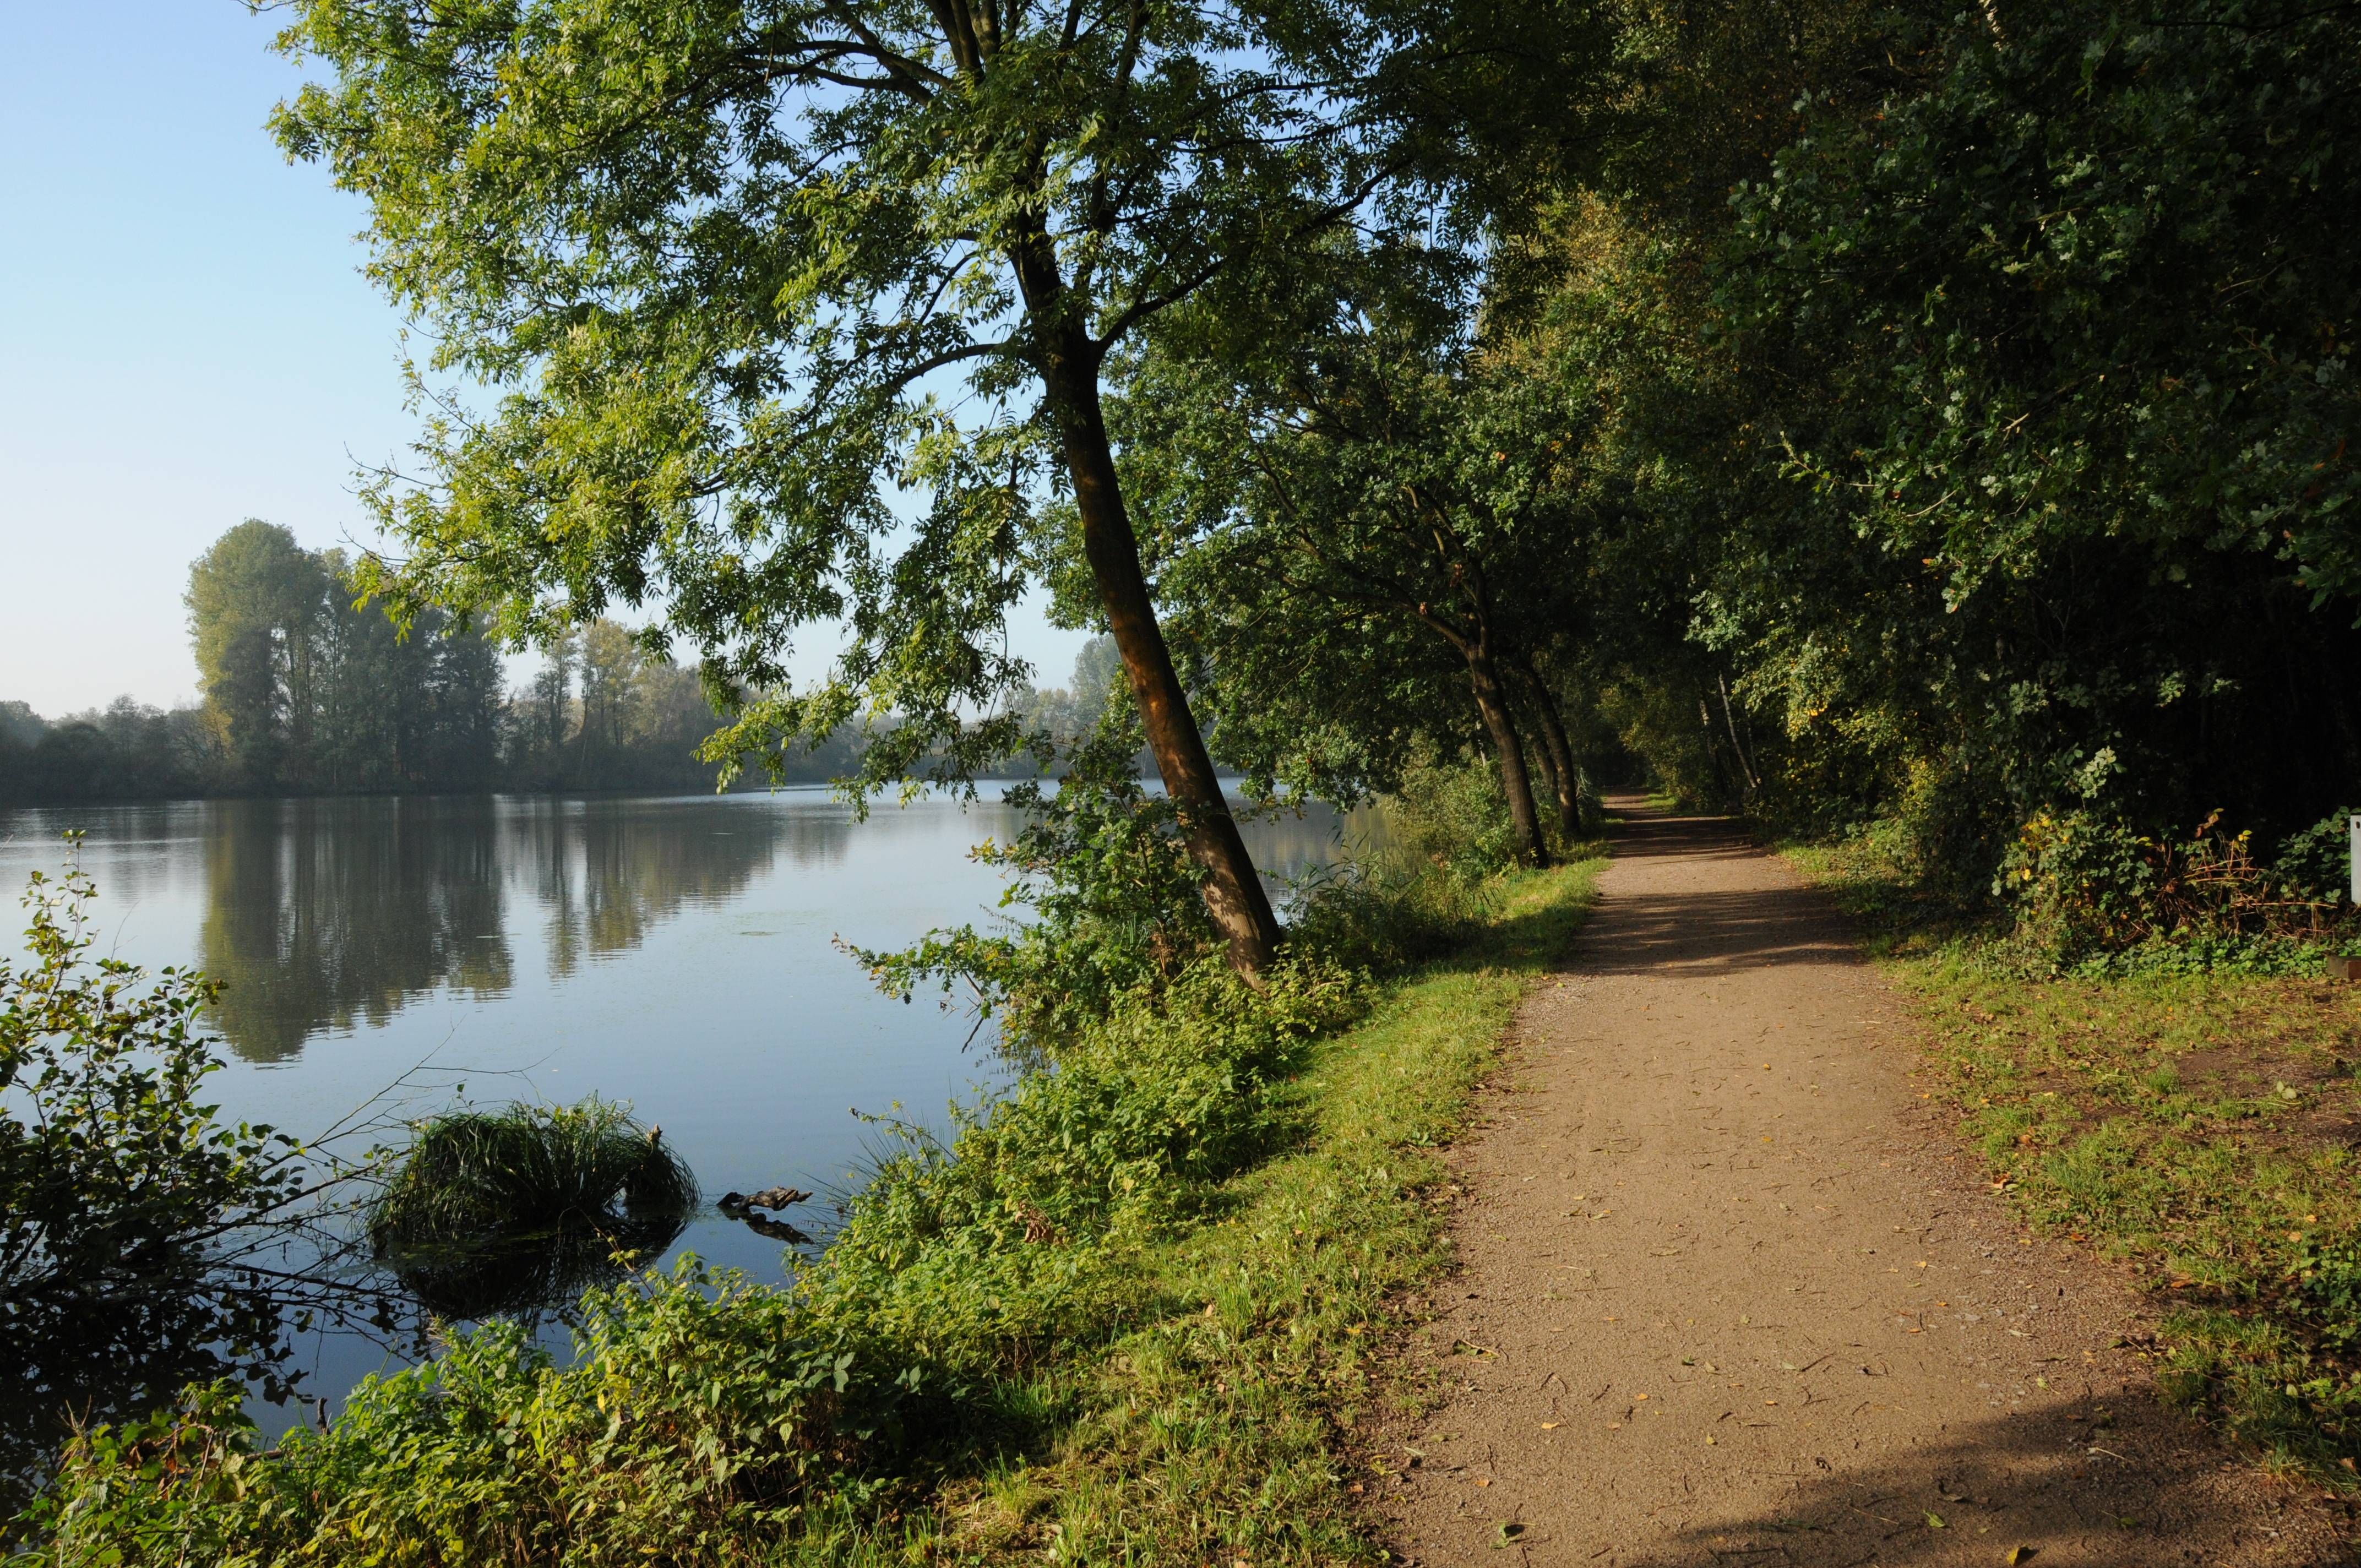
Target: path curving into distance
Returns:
[[1732, 1293]]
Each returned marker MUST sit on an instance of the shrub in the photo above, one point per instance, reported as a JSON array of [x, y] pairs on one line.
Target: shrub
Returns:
[[2316, 863], [1450, 816], [1112, 895], [123, 1200], [979, 1256], [698, 1418], [2092, 895], [110, 1169]]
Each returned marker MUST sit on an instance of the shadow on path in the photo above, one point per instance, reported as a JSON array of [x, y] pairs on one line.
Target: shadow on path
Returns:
[[1674, 919]]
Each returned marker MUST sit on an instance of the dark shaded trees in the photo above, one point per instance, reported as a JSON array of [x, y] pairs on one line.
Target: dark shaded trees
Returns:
[[257, 602], [1979, 383], [307, 689], [1369, 501]]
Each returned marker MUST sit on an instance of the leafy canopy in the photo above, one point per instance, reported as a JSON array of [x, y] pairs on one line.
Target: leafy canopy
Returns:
[[769, 291]]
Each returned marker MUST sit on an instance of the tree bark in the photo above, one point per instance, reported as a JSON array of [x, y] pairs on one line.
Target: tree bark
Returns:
[[1492, 702], [1233, 891], [1556, 747]]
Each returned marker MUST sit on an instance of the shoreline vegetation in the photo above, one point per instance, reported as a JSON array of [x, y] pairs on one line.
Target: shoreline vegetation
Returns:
[[1123, 1312]]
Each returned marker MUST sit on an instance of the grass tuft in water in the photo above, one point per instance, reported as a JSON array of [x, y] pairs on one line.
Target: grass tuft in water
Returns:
[[510, 1209]]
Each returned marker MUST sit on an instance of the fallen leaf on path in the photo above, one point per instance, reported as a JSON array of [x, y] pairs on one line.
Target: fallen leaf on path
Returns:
[[1552, 1426], [1934, 1522], [2017, 1554], [1483, 1480]]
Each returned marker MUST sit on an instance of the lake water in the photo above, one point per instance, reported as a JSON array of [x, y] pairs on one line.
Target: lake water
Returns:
[[676, 953]]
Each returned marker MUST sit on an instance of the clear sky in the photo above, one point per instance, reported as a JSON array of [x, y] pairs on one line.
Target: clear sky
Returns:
[[185, 340]]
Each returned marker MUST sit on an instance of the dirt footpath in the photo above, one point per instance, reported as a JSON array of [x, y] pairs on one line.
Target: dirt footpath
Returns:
[[1733, 1295]]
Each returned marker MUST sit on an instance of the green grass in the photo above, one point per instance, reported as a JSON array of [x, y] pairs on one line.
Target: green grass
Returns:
[[1214, 1430], [2199, 1130]]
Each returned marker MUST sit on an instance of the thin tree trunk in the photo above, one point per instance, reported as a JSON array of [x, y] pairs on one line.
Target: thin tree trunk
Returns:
[[1232, 892], [1556, 747], [1745, 768], [1492, 702]]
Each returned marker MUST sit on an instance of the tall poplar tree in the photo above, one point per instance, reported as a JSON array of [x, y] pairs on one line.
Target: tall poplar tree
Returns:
[[254, 604], [802, 308]]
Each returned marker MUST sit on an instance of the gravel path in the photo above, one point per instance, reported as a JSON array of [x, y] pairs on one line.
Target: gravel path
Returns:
[[1732, 1294]]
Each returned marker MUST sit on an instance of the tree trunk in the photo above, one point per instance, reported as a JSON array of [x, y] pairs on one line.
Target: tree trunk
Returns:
[[1745, 767], [1560, 754], [1232, 892], [1548, 789], [1492, 702]]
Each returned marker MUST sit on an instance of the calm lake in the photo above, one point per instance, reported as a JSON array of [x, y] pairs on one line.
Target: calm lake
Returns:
[[676, 953]]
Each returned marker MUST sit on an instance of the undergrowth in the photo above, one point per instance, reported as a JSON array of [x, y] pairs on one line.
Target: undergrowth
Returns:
[[2196, 1124], [1118, 1315]]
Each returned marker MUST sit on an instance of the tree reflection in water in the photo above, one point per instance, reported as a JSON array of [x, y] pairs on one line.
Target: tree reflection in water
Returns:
[[322, 914], [609, 872]]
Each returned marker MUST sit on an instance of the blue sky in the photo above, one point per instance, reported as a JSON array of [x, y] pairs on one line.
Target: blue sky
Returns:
[[186, 339]]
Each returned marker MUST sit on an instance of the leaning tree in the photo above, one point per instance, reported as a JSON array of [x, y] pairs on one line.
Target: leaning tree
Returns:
[[796, 313]]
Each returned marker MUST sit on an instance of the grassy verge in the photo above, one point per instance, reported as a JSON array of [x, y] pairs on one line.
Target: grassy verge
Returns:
[[2201, 1129], [1209, 1432], [1122, 1318]]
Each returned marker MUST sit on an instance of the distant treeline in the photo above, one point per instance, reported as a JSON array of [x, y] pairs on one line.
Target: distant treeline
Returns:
[[306, 693]]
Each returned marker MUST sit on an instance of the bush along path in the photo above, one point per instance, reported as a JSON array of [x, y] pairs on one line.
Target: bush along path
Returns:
[[1732, 1290]]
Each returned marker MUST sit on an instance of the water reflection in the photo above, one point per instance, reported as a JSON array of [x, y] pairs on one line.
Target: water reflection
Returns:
[[527, 1276], [609, 870], [323, 914], [75, 1361]]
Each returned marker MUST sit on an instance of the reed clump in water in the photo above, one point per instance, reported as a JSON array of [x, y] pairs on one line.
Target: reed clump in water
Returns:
[[520, 1207]]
